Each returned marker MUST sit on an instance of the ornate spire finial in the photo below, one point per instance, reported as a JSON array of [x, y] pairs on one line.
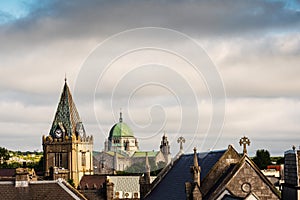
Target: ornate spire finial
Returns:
[[65, 77], [120, 119], [195, 157], [195, 169], [244, 141], [181, 140]]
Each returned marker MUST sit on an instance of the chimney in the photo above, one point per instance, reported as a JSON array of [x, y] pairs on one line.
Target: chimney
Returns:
[[109, 186], [22, 177], [145, 184]]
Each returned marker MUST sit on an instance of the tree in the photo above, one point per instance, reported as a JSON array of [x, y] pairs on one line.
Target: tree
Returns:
[[4, 156], [262, 158]]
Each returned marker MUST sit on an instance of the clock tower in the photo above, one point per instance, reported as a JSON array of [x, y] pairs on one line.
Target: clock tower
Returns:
[[68, 151]]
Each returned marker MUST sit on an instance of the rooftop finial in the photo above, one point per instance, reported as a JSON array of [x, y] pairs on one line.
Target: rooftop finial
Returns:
[[195, 169], [121, 119], [244, 141], [181, 140], [65, 77], [195, 157]]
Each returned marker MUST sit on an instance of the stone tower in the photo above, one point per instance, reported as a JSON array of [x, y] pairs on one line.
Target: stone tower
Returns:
[[68, 151], [165, 148]]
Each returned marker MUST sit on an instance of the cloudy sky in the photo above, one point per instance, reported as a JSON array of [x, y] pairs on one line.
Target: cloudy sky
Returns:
[[211, 71]]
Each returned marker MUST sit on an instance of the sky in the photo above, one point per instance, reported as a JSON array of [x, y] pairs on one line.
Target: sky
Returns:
[[211, 71]]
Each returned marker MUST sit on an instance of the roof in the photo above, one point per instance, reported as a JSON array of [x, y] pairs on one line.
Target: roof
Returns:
[[172, 185], [231, 173], [120, 129], [92, 181], [4, 173], [141, 154], [46, 190], [127, 183], [66, 114]]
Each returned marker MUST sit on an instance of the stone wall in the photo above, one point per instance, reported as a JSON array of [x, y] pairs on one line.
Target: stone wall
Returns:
[[246, 181]]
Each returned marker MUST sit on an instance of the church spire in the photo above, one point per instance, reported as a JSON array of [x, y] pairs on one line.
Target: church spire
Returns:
[[195, 169], [66, 117]]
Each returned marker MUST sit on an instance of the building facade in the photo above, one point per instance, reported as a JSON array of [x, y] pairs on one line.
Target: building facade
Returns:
[[121, 151]]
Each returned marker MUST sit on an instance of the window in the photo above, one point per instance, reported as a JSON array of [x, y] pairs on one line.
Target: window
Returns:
[[83, 159], [58, 160]]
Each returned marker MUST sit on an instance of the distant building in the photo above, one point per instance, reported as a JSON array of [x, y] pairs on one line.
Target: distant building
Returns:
[[109, 187], [216, 175], [121, 150], [275, 175], [68, 151], [291, 185]]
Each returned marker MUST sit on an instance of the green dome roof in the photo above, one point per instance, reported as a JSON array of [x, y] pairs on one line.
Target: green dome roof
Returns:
[[120, 130]]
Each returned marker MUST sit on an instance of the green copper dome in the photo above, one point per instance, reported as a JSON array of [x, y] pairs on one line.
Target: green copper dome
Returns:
[[120, 130]]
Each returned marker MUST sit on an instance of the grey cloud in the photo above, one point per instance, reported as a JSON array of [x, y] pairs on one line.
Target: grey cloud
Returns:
[[57, 36]]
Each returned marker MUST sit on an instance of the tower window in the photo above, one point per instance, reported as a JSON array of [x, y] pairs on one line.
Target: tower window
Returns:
[[58, 160], [83, 159]]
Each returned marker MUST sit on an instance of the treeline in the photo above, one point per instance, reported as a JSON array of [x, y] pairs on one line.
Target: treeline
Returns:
[[5, 155], [262, 159]]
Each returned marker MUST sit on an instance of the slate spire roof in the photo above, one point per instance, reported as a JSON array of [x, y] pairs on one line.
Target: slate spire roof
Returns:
[[66, 116]]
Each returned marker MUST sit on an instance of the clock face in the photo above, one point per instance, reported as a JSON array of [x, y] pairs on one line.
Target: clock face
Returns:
[[58, 133]]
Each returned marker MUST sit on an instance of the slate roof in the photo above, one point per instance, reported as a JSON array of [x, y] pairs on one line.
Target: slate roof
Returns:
[[92, 181], [172, 185], [127, 183], [66, 113], [46, 190]]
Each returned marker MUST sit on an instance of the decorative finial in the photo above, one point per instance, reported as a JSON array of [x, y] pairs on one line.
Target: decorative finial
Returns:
[[121, 119], [195, 157], [65, 77], [244, 141], [294, 148], [195, 169], [181, 140]]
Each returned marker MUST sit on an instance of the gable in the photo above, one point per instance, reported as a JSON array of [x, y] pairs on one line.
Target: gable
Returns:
[[222, 165], [245, 179]]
